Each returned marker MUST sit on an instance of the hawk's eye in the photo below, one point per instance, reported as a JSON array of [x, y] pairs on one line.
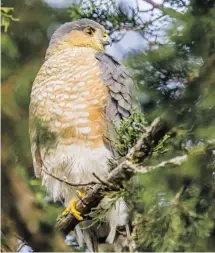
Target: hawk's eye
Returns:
[[105, 35], [90, 31]]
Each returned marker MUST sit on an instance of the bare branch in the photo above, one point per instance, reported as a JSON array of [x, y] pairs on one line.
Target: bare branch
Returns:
[[65, 181], [178, 195], [108, 184], [140, 27]]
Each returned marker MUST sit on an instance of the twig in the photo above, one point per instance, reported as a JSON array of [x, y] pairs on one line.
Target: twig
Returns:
[[176, 161], [142, 11], [175, 201], [65, 181], [22, 244], [154, 5], [109, 185], [140, 27]]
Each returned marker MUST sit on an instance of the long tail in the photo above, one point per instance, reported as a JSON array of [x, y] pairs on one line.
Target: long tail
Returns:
[[117, 216], [111, 237], [87, 235]]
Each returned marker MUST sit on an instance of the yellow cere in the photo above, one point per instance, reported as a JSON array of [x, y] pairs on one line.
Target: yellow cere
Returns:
[[105, 35]]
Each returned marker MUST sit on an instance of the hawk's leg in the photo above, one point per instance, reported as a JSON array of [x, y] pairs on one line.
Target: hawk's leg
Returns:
[[72, 207]]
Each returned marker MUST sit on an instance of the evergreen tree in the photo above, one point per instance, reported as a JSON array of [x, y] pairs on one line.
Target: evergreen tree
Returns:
[[172, 208], [177, 204]]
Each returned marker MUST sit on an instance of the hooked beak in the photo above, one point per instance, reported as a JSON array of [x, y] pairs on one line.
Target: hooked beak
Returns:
[[107, 41]]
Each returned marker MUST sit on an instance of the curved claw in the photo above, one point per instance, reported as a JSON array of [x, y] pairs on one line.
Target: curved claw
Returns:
[[80, 194]]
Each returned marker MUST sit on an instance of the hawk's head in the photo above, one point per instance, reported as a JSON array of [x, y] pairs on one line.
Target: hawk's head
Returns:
[[80, 33]]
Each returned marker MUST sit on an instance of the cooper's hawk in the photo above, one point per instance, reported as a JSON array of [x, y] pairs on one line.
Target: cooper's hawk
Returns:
[[77, 94]]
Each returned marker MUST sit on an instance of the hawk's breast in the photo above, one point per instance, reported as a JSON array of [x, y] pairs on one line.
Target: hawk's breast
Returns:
[[69, 97]]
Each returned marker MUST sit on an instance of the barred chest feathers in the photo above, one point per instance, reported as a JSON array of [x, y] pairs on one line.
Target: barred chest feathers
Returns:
[[69, 98]]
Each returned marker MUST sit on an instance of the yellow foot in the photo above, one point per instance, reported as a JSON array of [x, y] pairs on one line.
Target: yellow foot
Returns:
[[72, 207]]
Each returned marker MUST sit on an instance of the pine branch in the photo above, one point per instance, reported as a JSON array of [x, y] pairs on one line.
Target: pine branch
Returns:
[[176, 161], [124, 171]]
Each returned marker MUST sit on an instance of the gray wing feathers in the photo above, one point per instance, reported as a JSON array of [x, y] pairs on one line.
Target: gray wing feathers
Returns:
[[120, 85]]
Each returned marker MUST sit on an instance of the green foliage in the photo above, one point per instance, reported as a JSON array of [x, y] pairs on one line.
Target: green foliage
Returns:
[[129, 131], [177, 79], [160, 147], [7, 17], [98, 214], [53, 208], [177, 230], [176, 216], [10, 54], [108, 13]]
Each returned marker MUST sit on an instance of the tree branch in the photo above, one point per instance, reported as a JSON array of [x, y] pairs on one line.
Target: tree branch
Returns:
[[176, 161], [124, 171]]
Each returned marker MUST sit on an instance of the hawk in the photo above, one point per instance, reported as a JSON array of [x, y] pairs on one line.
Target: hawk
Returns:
[[77, 95]]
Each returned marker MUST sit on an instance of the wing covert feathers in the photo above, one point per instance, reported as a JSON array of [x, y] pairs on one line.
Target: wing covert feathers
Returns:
[[120, 85]]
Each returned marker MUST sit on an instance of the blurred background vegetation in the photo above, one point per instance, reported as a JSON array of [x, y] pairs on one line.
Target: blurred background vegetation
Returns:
[[170, 47]]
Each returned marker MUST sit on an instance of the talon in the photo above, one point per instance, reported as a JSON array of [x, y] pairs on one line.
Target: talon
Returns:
[[72, 209], [80, 194]]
